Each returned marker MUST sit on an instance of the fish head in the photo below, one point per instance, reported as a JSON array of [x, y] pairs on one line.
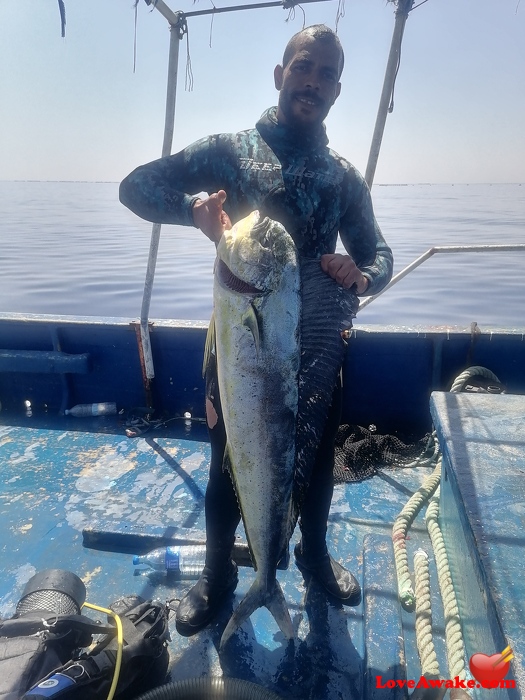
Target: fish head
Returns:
[[253, 255]]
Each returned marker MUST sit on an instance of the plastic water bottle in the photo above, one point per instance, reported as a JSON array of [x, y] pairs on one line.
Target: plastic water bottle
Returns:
[[186, 561], [82, 410]]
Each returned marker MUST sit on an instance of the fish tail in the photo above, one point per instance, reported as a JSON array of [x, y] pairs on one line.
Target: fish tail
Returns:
[[278, 608], [257, 597]]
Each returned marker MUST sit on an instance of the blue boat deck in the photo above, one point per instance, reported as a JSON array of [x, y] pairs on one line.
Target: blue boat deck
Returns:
[[79, 495], [86, 475]]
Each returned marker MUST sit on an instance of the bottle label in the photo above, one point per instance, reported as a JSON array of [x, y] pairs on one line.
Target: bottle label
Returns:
[[172, 559], [192, 560], [50, 687], [98, 409]]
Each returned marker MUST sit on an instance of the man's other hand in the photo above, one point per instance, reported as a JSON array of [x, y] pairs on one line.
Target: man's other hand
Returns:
[[344, 271], [209, 216]]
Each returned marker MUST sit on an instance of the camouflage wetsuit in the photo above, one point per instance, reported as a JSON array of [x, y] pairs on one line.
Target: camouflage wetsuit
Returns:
[[297, 180]]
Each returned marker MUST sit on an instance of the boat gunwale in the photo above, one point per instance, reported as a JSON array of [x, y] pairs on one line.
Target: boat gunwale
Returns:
[[162, 323]]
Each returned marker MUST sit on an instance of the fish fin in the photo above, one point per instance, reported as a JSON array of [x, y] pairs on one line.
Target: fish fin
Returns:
[[295, 511], [226, 461], [251, 322], [257, 597], [208, 345], [278, 608]]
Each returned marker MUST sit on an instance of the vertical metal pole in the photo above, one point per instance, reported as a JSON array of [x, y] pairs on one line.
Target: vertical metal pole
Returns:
[[403, 8], [173, 66]]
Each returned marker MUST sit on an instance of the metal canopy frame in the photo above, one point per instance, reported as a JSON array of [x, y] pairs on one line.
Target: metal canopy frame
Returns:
[[178, 27], [170, 15], [403, 8]]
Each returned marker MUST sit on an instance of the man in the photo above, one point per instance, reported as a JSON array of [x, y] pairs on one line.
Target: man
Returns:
[[284, 168]]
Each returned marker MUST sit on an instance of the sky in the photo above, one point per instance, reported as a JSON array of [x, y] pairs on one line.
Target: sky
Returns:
[[73, 108]]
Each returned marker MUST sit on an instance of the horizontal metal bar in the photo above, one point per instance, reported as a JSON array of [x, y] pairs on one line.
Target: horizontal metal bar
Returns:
[[496, 248], [174, 17], [251, 6]]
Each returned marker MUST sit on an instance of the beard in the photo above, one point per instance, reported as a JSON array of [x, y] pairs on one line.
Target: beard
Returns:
[[300, 115]]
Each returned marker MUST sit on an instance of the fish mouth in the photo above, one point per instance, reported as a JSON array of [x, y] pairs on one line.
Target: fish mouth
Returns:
[[232, 282]]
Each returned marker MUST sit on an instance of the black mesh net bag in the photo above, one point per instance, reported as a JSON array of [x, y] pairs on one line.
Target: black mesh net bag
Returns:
[[362, 452]]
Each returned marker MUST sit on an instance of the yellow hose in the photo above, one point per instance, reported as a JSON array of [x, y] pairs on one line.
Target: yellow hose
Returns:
[[120, 645]]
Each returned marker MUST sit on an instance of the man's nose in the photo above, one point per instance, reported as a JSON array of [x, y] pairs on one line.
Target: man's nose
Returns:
[[313, 81]]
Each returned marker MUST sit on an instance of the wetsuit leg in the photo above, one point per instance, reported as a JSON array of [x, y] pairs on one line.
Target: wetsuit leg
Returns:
[[221, 507], [311, 554], [219, 576]]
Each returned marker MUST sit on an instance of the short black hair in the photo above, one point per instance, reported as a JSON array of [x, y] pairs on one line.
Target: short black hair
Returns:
[[319, 32]]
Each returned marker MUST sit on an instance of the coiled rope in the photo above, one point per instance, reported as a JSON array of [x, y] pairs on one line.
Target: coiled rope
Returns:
[[423, 461], [462, 378], [399, 532], [425, 643], [453, 634], [420, 599]]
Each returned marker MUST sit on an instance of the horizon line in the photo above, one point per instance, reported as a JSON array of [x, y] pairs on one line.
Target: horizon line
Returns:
[[377, 184]]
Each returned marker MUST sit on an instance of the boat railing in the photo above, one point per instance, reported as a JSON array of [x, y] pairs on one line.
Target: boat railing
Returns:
[[489, 248]]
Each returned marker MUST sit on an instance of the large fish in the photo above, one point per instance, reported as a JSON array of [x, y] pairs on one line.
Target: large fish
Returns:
[[277, 337]]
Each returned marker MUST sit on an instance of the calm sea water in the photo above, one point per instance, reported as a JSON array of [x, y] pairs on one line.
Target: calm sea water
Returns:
[[72, 248]]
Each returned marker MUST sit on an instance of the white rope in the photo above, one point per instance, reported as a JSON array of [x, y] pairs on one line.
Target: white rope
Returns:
[[422, 461], [420, 599], [401, 524], [453, 634], [476, 371], [424, 641]]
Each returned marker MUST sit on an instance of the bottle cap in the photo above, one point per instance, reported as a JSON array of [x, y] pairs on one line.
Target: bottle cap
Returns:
[[136, 560]]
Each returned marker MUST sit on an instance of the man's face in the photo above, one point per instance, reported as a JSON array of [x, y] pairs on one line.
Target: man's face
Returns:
[[308, 85]]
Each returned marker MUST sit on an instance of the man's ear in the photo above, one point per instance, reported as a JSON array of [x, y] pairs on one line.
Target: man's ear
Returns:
[[337, 91], [278, 77]]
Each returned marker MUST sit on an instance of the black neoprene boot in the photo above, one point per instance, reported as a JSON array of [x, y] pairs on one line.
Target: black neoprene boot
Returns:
[[201, 603], [334, 578]]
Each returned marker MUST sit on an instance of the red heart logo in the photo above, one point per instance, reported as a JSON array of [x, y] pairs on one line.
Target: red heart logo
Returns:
[[489, 670]]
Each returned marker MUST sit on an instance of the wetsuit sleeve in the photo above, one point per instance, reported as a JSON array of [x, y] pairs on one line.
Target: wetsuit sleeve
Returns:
[[165, 190], [363, 240]]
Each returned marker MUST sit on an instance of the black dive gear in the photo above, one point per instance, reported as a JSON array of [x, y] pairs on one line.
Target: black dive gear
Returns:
[[41, 647]]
